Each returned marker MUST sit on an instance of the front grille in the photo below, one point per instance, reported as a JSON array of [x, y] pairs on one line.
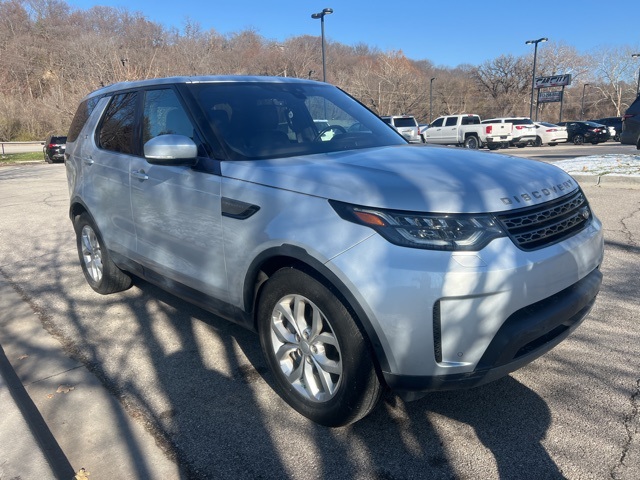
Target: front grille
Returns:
[[543, 225]]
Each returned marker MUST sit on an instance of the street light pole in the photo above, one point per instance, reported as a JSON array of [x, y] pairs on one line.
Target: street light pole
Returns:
[[325, 11], [431, 99], [636, 55], [582, 108], [533, 79]]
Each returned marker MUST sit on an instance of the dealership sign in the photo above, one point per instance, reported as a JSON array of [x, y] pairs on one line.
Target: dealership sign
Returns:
[[553, 81], [548, 97]]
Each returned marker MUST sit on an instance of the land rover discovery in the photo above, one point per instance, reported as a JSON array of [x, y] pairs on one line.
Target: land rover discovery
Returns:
[[361, 262]]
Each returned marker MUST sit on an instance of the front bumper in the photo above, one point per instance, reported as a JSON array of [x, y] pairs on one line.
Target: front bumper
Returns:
[[525, 335], [457, 319]]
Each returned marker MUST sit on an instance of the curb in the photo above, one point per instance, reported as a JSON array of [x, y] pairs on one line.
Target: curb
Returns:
[[597, 180]]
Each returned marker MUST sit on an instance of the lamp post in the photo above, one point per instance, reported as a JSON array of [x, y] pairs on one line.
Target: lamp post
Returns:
[[431, 99], [533, 79], [636, 55], [325, 11], [582, 108]]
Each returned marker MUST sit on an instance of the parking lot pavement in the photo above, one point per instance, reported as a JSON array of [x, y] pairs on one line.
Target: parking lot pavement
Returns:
[[128, 383]]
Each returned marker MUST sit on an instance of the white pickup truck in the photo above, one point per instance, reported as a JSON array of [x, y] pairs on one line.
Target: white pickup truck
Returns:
[[467, 130]]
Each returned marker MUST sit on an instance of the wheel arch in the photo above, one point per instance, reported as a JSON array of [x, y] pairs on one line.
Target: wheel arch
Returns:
[[77, 207], [289, 256]]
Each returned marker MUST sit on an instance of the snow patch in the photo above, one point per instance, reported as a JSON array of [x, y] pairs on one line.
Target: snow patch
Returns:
[[622, 165]]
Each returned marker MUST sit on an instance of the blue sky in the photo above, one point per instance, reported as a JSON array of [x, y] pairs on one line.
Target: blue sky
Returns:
[[448, 33]]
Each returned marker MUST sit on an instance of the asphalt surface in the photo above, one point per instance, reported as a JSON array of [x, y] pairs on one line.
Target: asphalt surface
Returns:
[[142, 385]]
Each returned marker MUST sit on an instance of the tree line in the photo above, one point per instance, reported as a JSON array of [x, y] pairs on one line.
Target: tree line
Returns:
[[52, 55]]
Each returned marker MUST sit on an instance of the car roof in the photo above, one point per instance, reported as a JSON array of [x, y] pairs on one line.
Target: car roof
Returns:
[[200, 79]]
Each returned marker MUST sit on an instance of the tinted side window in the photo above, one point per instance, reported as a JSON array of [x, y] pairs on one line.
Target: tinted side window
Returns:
[[80, 118], [451, 122], [117, 129], [437, 122]]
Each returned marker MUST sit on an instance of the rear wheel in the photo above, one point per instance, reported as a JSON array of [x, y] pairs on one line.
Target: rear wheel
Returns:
[[99, 270], [472, 142], [578, 140], [321, 362]]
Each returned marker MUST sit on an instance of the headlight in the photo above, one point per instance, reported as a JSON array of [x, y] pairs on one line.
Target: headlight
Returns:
[[435, 231]]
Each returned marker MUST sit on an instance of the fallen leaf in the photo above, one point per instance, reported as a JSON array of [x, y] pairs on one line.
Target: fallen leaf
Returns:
[[64, 389], [82, 474]]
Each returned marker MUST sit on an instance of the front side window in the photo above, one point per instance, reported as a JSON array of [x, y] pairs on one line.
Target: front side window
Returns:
[[163, 115], [437, 122], [116, 132]]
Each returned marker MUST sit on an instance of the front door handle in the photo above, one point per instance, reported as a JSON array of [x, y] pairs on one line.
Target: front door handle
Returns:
[[140, 175]]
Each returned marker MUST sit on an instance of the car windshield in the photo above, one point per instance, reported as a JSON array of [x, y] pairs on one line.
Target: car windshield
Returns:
[[257, 120], [520, 121]]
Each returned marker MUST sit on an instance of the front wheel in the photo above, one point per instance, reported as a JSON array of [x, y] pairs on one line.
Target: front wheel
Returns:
[[99, 270], [471, 142], [578, 140], [537, 142], [322, 365]]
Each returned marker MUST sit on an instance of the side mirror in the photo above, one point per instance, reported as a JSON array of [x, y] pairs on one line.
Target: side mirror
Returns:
[[171, 150]]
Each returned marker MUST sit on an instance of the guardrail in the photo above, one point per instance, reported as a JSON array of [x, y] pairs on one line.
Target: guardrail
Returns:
[[21, 147]]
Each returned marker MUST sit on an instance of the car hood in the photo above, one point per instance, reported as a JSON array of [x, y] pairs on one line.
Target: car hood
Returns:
[[415, 178]]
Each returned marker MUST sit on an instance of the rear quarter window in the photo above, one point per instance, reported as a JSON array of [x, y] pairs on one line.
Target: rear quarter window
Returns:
[[80, 118]]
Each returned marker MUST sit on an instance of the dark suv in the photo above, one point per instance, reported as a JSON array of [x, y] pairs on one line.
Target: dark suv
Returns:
[[54, 149], [631, 125]]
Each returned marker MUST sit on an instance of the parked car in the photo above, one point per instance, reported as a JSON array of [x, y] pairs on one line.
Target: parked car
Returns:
[[466, 130], [363, 263], [523, 132], [631, 124], [586, 132], [54, 149], [406, 125], [549, 134], [611, 122]]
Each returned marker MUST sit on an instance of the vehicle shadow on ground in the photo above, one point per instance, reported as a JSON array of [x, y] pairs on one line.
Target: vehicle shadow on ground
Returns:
[[219, 427]]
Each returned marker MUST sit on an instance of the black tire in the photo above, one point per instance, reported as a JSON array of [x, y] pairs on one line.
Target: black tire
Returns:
[[578, 140], [537, 142], [494, 146], [552, 144], [99, 270], [472, 142], [521, 145], [301, 358]]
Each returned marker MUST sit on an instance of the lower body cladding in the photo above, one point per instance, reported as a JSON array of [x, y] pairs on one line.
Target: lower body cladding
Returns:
[[450, 320]]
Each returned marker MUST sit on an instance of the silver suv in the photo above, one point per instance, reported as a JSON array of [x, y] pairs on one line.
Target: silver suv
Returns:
[[406, 125], [361, 262]]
